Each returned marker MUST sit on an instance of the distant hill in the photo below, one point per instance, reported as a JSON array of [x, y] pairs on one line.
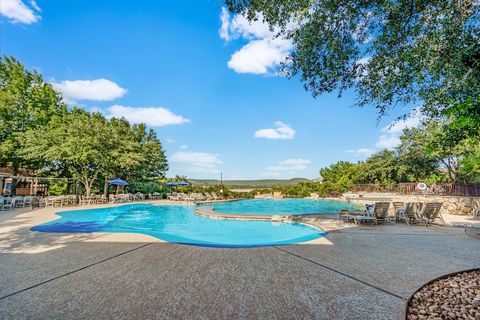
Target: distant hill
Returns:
[[264, 183]]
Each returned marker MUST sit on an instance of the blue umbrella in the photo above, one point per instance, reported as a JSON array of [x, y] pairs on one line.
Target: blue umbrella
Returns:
[[182, 183], [170, 184], [118, 182]]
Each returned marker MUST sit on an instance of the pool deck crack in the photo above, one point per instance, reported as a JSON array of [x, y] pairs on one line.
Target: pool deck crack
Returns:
[[74, 271], [342, 273]]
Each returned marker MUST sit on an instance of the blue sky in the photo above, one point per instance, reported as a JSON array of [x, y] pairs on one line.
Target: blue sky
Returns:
[[204, 80]]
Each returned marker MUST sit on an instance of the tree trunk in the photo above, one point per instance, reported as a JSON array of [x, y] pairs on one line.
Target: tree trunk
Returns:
[[77, 195], [87, 188], [13, 190], [69, 187], [105, 188]]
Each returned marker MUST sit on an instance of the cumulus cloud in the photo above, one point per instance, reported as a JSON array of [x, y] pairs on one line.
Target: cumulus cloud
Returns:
[[95, 90], [288, 166], [259, 56], [197, 161], [362, 152], [18, 12], [152, 116], [264, 50], [281, 131]]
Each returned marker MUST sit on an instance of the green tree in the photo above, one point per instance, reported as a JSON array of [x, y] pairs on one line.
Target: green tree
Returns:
[[26, 103], [471, 162], [419, 165], [341, 170], [391, 52], [445, 144], [382, 167], [82, 142]]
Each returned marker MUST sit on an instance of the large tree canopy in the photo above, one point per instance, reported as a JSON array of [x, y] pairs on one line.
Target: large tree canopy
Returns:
[[26, 103], [39, 133], [88, 145], [393, 52]]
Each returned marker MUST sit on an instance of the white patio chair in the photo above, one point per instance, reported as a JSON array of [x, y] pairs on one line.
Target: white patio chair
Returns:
[[8, 204], [27, 201], [18, 202]]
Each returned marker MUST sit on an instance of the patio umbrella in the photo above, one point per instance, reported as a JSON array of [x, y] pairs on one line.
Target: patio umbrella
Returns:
[[170, 184], [118, 182], [182, 183]]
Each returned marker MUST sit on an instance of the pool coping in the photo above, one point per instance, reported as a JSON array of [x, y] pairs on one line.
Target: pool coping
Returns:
[[209, 212]]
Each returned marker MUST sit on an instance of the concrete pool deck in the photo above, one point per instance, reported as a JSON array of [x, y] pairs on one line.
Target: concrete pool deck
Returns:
[[352, 273]]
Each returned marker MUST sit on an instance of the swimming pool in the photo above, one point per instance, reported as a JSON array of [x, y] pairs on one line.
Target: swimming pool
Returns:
[[281, 206], [180, 224]]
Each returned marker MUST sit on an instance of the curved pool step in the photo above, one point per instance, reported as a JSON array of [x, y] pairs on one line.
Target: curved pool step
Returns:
[[207, 211]]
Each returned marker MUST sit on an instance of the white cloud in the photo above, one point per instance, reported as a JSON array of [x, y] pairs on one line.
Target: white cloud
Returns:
[[224, 31], [412, 121], [19, 12], [97, 90], [259, 56], [390, 135], [392, 132], [281, 131], [152, 116], [35, 6], [264, 50], [239, 26], [288, 166], [197, 161], [170, 140], [183, 147], [388, 141], [95, 109], [362, 152]]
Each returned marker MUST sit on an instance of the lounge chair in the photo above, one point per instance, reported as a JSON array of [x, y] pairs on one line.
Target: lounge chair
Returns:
[[367, 216], [208, 196], [349, 215], [410, 214], [398, 208], [380, 210], [379, 213], [431, 212]]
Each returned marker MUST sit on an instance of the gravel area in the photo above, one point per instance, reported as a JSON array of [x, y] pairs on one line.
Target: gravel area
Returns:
[[454, 297]]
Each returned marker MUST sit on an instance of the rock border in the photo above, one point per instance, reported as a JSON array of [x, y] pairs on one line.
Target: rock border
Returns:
[[432, 281]]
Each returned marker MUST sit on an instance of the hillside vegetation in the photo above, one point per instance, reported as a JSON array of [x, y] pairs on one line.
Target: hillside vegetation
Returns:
[[264, 183]]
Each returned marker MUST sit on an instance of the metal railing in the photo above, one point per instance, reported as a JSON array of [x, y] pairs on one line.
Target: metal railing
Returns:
[[439, 189]]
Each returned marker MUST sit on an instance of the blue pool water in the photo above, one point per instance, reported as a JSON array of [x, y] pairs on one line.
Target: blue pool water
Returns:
[[281, 206], [180, 224]]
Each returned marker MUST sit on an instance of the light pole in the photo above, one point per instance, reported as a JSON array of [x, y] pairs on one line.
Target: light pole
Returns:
[[221, 182]]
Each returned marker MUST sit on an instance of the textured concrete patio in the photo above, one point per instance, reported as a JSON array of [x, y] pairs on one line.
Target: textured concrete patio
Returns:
[[353, 273]]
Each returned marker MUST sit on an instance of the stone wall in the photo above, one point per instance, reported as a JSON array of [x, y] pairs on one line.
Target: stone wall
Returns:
[[451, 204]]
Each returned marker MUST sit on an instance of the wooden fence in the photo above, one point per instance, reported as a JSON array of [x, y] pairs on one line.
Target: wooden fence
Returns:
[[440, 189]]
